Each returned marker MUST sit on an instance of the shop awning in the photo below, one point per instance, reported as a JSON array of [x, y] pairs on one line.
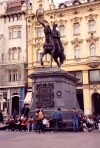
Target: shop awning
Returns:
[[28, 98]]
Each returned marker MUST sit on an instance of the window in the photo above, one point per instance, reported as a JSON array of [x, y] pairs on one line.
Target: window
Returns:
[[19, 32], [7, 19], [39, 32], [92, 50], [15, 17], [13, 75], [38, 55], [15, 32], [19, 52], [19, 17], [77, 52], [14, 53], [91, 25], [19, 76], [2, 56], [78, 75], [11, 18], [76, 27], [94, 76], [9, 54], [61, 30]]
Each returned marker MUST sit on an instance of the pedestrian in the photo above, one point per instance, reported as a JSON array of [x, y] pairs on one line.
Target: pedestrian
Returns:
[[5, 113], [39, 118], [57, 118], [30, 125], [25, 110], [99, 122], [14, 114], [75, 118], [1, 117]]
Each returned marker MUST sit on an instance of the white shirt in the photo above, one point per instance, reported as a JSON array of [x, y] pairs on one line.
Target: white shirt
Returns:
[[45, 122]]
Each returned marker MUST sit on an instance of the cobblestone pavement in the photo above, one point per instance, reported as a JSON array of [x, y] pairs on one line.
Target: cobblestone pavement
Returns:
[[12, 139]]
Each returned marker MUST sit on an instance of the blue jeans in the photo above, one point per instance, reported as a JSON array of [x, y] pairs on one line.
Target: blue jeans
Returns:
[[75, 124], [56, 124], [39, 125], [30, 127]]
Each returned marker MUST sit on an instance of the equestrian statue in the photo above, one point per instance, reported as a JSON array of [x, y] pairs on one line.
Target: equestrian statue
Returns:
[[52, 45]]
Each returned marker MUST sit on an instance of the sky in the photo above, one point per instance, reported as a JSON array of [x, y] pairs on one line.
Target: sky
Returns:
[[58, 1]]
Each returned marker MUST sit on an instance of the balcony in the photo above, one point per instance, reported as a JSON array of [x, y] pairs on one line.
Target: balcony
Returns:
[[8, 62], [91, 61], [14, 5]]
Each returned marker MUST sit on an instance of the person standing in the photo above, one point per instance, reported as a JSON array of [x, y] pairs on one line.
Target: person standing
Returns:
[[25, 110], [39, 118], [5, 113], [99, 122], [14, 114], [75, 118], [1, 117], [57, 117], [30, 125]]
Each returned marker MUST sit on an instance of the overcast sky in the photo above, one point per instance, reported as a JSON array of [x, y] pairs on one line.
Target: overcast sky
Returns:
[[58, 1]]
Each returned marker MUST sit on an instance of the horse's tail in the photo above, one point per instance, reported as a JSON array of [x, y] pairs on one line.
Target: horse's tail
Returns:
[[62, 58]]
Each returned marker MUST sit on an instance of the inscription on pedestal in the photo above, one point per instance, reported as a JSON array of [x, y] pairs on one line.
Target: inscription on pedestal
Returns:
[[45, 95]]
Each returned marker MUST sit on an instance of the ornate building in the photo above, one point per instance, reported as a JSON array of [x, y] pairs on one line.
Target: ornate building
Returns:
[[79, 25], [12, 54]]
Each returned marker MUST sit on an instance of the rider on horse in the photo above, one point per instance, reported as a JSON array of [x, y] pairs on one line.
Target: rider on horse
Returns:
[[56, 38], [52, 44]]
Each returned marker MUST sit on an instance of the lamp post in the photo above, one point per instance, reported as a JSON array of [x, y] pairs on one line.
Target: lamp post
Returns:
[[40, 15], [40, 12]]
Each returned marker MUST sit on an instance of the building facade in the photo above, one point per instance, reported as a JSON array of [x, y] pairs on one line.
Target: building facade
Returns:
[[12, 55], [78, 24]]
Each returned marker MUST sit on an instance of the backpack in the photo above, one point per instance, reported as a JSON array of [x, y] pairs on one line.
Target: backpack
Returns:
[[40, 115]]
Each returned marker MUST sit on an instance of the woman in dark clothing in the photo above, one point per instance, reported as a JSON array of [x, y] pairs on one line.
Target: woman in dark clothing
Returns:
[[1, 117]]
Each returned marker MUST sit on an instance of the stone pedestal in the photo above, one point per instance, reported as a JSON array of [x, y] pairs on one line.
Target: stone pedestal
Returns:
[[53, 88]]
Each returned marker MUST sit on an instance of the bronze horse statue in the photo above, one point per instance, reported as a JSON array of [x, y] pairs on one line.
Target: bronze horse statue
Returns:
[[52, 45]]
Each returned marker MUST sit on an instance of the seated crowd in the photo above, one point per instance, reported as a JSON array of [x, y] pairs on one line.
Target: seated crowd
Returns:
[[22, 123], [41, 122]]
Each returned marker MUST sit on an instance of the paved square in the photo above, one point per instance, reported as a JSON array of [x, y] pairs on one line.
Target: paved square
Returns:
[[11, 139]]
